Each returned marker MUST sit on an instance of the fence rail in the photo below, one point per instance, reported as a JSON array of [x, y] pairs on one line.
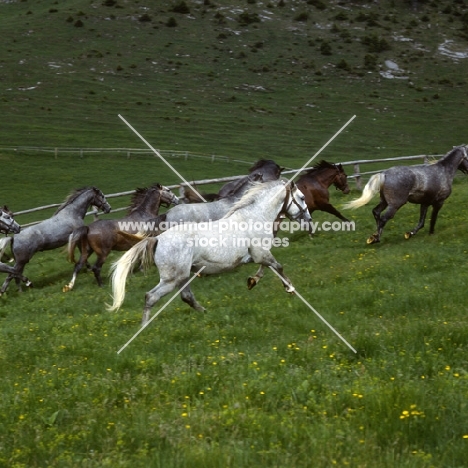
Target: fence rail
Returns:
[[357, 175]]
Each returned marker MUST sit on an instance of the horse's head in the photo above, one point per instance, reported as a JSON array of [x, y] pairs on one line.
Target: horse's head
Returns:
[[267, 168], [7, 223], [168, 198], [463, 166], [341, 179], [100, 202], [295, 206]]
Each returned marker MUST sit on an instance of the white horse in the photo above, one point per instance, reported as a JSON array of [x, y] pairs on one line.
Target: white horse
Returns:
[[244, 235]]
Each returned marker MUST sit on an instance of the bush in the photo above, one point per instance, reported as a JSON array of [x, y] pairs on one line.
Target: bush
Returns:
[[325, 48], [248, 18], [171, 22], [375, 44], [181, 7]]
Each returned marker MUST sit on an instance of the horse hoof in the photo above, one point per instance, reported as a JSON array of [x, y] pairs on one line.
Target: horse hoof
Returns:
[[66, 288], [251, 283], [408, 235], [373, 239], [28, 284]]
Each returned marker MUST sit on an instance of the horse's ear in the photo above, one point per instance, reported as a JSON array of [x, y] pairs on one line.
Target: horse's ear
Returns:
[[281, 169], [5, 208]]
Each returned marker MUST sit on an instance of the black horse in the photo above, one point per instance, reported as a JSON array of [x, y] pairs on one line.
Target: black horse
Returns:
[[263, 170], [423, 184]]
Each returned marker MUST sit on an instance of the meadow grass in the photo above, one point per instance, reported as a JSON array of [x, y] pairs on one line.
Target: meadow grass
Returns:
[[257, 380]]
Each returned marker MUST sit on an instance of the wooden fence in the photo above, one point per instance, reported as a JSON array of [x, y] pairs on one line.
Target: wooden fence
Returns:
[[357, 175]]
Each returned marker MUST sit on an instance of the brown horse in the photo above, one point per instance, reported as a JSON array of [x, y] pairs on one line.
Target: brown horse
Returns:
[[314, 185], [103, 236]]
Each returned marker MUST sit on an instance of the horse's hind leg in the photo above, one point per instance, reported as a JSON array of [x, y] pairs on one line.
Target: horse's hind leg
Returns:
[[153, 296], [98, 267], [422, 219], [376, 213], [435, 211], [187, 296]]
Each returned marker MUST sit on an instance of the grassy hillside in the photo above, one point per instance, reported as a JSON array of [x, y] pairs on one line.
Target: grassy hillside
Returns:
[[247, 78], [257, 380]]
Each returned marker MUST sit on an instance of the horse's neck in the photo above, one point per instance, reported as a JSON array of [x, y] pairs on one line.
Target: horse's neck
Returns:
[[149, 206], [77, 208], [265, 208], [326, 177], [451, 163]]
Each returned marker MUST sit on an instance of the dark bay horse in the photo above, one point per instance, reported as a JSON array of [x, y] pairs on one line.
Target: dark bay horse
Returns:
[[9, 226], [423, 184], [314, 185], [263, 170], [104, 235], [53, 232]]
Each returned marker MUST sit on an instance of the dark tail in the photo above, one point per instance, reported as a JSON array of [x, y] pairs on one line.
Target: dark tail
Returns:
[[78, 235]]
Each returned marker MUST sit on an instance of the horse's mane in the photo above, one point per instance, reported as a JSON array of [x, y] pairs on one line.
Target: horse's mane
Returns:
[[260, 163], [249, 197], [72, 197], [139, 196], [321, 165]]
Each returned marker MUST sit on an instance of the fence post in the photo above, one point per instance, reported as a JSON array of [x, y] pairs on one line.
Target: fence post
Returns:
[[426, 159], [128, 154], [186, 155], [56, 153], [357, 176], [81, 153], [212, 158]]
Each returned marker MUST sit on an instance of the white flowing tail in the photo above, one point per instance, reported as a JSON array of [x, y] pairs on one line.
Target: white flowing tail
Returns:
[[4, 244], [371, 188], [142, 251]]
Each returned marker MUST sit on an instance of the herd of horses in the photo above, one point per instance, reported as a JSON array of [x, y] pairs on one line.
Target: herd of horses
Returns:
[[262, 196]]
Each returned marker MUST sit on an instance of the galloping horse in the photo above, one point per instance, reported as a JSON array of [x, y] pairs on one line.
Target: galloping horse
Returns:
[[218, 246], [423, 184], [314, 185], [53, 232], [104, 235]]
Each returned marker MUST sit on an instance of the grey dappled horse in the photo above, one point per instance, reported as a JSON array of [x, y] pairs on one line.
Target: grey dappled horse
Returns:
[[423, 184], [9, 226], [215, 246], [53, 232], [104, 235]]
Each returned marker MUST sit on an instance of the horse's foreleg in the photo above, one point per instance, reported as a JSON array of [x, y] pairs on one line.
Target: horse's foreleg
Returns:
[[5, 284], [422, 219], [78, 266], [329, 208], [266, 259], [253, 280]]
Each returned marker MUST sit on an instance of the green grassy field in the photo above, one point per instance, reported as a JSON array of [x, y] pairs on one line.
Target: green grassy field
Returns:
[[257, 380]]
